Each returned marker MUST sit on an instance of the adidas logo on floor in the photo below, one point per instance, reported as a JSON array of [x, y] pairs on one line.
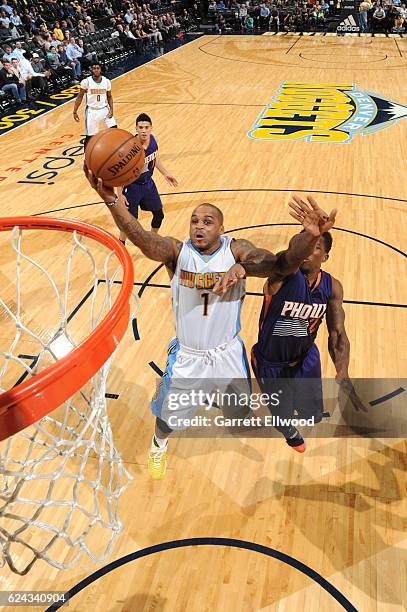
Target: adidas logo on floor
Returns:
[[348, 25]]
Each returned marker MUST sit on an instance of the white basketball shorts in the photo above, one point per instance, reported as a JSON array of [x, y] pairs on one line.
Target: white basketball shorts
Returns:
[[224, 369], [94, 117]]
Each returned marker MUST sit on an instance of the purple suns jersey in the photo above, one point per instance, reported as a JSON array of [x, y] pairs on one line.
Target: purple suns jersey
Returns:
[[290, 318], [149, 164]]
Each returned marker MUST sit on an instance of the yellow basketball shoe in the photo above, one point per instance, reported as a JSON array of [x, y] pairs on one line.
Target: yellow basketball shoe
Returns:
[[157, 460]]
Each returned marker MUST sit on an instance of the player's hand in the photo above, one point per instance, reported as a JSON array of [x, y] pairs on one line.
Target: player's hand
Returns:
[[311, 216], [232, 276], [123, 197], [347, 387], [171, 180], [106, 193], [76, 116], [110, 114]]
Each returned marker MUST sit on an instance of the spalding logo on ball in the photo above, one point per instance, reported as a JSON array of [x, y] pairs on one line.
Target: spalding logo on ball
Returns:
[[116, 156]]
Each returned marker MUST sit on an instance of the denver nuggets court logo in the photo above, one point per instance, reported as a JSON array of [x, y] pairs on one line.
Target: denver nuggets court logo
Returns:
[[324, 112]]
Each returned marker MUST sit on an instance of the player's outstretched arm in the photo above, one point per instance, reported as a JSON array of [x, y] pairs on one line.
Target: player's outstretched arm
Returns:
[[338, 344], [155, 247], [167, 175], [110, 103], [77, 103], [262, 263]]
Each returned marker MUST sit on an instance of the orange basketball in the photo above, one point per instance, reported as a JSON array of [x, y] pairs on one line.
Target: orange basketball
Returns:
[[115, 156]]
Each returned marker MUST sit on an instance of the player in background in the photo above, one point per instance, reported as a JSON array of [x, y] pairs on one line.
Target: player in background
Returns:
[[99, 102], [207, 345], [143, 192], [293, 309]]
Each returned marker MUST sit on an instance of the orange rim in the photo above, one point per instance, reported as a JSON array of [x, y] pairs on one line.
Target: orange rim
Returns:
[[27, 403]]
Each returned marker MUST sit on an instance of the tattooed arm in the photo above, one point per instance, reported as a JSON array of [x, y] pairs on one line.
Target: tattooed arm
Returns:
[[263, 263], [153, 246]]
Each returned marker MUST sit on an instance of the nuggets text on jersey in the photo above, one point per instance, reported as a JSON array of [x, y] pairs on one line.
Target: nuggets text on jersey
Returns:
[[198, 280]]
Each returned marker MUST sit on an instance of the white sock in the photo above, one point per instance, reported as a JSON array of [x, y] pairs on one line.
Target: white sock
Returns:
[[159, 442]]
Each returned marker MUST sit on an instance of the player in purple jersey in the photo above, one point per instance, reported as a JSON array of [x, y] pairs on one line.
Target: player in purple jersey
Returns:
[[293, 309], [143, 192]]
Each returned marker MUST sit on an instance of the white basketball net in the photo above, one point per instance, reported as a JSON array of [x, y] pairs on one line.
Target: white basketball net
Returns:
[[60, 479]]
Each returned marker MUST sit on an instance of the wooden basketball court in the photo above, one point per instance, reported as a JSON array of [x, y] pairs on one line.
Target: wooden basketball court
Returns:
[[339, 509]]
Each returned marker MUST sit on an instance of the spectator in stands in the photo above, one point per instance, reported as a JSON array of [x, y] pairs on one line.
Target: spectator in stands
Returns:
[[20, 70], [74, 53], [10, 82], [18, 52], [66, 61], [89, 25], [220, 25], [7, 52], [16, 19], [264, 16], [55, 41], [109, 9], [248, 24], [40, 75], [65, 26], [325, 7], [37, 40], [288, 22], [364, 7], [128, 32], [88, 57], [242, 13], [152, 31], [4, 33], [6, 8], [399, 24], [168, 20], [379, 15], [28, 22], [58, 32], [4, 19], [80, 27], [128, 17], [140, 34], [185, 20], [44, 30], [57, 67], [175, 22], [274, 21], [212, 7]]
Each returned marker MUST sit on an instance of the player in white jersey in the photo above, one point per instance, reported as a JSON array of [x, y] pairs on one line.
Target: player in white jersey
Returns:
[[99, 102], [207, 312]]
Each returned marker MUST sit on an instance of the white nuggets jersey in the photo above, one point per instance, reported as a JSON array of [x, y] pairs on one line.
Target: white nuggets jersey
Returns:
[[96, 93], [204, 320]]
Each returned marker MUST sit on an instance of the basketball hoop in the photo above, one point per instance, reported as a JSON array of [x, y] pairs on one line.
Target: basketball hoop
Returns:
[[46, 467]]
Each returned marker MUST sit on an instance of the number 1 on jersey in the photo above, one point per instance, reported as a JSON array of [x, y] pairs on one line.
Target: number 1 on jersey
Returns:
[[205, 297]]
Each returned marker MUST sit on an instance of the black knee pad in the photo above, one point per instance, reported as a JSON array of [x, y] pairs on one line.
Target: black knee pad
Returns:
[[162, 425], [158, 217]]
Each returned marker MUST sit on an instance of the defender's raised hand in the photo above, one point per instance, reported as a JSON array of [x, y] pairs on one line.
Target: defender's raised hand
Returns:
[[311, 216]]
